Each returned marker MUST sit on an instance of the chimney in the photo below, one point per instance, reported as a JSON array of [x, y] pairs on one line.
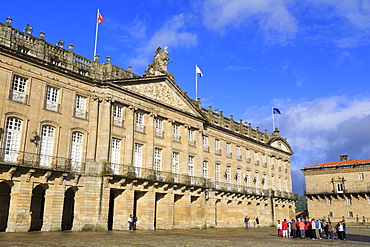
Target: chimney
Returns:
[[344, 157]]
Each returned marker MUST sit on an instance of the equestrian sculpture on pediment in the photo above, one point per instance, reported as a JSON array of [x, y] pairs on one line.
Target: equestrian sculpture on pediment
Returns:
[[159, 65]]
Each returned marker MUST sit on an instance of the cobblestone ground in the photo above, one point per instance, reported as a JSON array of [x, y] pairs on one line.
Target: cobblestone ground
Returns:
[[195, 237]]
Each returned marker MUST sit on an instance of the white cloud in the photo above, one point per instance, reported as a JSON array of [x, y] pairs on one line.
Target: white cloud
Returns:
[[321, 130], [273, 18], [172, 34]]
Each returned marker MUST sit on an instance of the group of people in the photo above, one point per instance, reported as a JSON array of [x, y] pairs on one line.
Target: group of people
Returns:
[[313, 229], [256, 222], [132, 222]]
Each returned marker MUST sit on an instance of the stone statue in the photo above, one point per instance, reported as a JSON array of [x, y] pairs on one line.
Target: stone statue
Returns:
[[159, 65]]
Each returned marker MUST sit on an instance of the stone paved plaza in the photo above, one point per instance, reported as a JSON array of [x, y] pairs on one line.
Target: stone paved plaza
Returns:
[[194, 237]]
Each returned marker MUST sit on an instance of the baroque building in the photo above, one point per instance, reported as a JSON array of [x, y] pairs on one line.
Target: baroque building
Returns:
[[84, 144], [339, 190]]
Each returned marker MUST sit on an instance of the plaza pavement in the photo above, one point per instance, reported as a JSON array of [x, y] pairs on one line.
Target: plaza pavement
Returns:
[[265, 236]]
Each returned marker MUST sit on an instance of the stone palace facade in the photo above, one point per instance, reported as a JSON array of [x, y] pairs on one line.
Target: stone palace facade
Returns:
[[84, 144], [339, 190]]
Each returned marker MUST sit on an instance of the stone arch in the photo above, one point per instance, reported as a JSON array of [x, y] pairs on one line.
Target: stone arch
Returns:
[[37, 208], [5, 191], [68, 208]]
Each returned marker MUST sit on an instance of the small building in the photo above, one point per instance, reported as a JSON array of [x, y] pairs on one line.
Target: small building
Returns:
[[339, 190]]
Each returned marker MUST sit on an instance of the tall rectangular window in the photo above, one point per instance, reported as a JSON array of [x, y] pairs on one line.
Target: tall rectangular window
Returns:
[[157, 159], [115, 155], [350, 214], [205, 144], [175, 165], [18, 91], [228, 150], [217, 147], [191, 166], [264, 163], [139, 122], [248, 178], [228, 174], [329, 201], [176, 133], [256, 161], [349, 201], [237, 177], [238, 154], [264, 181], [51, 101], [191, 137], [330, 214], [217, 175], [361, 176], [247, 158], [76, 151], [80, 109], [138, 158], [117, 115], [158, 127], [46, 145], [12, 139], [205, 169]]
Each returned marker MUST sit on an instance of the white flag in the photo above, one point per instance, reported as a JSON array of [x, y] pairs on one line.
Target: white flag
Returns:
[[198, 71]]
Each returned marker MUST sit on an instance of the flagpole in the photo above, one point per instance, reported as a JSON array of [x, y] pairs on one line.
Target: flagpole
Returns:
[[273, 120], [196, 83], [96, 33]]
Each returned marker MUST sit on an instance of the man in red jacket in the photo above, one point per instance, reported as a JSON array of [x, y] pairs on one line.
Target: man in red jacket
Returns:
[[285, 228]]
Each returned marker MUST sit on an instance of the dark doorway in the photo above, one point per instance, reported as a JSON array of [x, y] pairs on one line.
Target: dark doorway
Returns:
[[37, 208], [68, 209], [4, 205]]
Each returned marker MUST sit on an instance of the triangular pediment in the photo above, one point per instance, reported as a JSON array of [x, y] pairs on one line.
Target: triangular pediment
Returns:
[[281, 144], [163, 90]]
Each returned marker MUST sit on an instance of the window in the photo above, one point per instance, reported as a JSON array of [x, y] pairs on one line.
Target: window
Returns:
[[191, 137], [205, 169], [256, 181], [115, 155], [256, 161], [18, 91], [228, 150], [46, 145], [279, 183], [340, 188], [248, 178], [349, 201], [117, 115], [237, 177], [350, 214], [217, 147], [330, 214], [205, 144], [51, 102], [12, 139], [247, 159], [139, 122], [329, 201], [80, 110], [272, 182], [176, 133], [217, 175], [264, 181], [238, 155], [191, 166], [264, 163], [115, 152], [157, 159], [175, 165], [138, 158], [158, 127], [76, 151], [228, 174], [361, 176]]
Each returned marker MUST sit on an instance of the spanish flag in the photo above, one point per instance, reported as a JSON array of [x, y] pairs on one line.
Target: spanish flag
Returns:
[[100, 18]]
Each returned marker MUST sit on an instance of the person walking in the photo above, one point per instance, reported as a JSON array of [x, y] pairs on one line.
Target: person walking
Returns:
[[293, 228], [279, 228], [330, 230], [284, 225], [246, 222]]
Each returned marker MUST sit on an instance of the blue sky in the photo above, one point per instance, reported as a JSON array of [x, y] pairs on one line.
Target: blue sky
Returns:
[[308, 58]]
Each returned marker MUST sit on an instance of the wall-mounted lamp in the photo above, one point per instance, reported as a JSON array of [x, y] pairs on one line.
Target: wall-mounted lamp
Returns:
[[35, 138]]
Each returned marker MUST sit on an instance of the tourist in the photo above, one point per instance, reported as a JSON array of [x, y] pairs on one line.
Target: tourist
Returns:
[[279, 228], [302, 228], [130, 223], [134, 222], [284, 224], [330, 230], [257, 222], [246, 222], [293, 228], [344, 230], [340, 230]]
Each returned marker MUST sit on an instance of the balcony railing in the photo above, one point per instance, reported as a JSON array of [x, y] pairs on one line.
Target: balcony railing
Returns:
[[19, 158], [18, 96], [151, 174], [364, 189]]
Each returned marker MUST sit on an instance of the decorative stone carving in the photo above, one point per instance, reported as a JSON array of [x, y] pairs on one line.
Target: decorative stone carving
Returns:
[[159, 65]]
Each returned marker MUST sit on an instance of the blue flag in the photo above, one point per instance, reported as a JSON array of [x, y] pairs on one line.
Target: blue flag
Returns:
[[276, 111]]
